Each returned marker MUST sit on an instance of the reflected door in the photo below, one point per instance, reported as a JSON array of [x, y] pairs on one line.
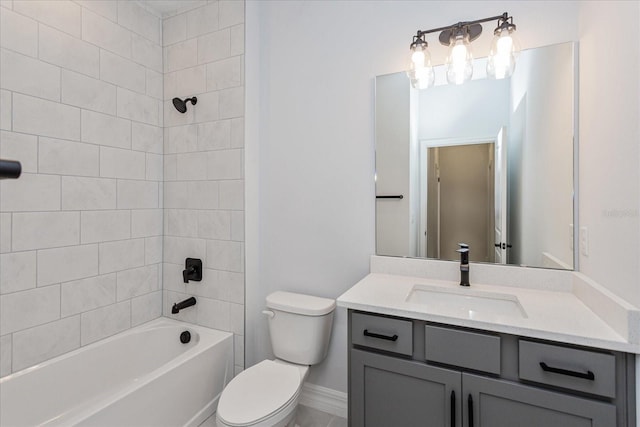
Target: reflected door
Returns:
[[500, 197]]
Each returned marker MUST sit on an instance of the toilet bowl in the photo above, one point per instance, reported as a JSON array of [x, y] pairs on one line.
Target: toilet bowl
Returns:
[[267, 394]]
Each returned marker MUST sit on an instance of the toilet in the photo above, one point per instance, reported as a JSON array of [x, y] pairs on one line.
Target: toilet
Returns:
[[267, 394]]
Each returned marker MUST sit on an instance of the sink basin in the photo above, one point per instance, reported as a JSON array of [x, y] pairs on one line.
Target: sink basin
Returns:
[[467, 303]]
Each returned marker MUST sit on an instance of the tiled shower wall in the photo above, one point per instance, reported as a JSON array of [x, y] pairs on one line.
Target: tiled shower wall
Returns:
[[203, 165], [81, 230]]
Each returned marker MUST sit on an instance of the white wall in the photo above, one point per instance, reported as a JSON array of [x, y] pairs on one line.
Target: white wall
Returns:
[[80, 231], [310, 142]]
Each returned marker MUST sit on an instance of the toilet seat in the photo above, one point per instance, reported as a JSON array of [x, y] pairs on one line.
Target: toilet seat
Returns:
[[266, 391]]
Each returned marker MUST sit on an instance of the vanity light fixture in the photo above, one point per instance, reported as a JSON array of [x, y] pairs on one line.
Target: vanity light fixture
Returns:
[[458, 37]]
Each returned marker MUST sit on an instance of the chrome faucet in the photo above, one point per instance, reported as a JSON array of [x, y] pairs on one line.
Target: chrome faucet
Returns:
[[464, 264]]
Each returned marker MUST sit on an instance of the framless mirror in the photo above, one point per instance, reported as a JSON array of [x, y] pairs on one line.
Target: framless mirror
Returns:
[[488, 163]]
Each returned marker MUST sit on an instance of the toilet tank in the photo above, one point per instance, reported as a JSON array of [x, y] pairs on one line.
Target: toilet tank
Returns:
[[300, 326]]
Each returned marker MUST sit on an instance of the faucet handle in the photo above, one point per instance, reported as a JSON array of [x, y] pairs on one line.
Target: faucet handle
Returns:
[[463, 246]]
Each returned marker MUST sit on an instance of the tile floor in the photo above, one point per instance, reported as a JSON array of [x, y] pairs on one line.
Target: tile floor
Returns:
[[306, 417]]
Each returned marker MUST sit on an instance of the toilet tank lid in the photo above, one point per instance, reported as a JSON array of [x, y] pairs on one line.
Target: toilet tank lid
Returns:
[[300, 304]]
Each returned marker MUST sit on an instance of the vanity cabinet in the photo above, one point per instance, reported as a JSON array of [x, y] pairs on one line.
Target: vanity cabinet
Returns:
[[405, 372]]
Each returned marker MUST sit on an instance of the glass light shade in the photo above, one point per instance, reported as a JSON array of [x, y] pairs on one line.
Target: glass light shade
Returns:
[[420, 70], [460, 61], [503, 53]]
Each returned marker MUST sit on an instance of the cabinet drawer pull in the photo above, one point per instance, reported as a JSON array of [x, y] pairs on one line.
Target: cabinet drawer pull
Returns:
[[470, 406], [380, 336], [587, 376], [453, 408]]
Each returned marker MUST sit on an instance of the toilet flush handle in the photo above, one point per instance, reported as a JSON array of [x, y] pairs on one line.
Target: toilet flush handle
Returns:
[[269, 313]]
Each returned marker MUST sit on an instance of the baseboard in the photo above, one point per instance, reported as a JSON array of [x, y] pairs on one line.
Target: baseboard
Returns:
[[324, 399]]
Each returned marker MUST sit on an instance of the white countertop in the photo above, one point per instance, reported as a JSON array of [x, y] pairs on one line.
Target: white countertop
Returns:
[[551, 315]]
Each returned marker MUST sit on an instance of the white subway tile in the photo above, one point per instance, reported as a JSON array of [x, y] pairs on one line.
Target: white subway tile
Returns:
[[233, 285], [5, 233], [43, 192], [154, 167], [223, 164], [103, 129], [40, 230], [237, 40], [213, 314], [214, 135], [176, 195], [191, 81], [26, 309], [146, 138], [236, 318], [237, 226], [122, 72], [138, 194], [140, 108], [146, 222], [181, 139], [192, 166], [139, 20], [106, 8], [146, 307], [182, 222], [224, 74], [153, 250], [18, 33], [174, 29], [238, 351], [118, 163], [173, 118], [154, 84], [6, 110], [214, 224], [224, 255], [232, 195], [237, 132], [147, 53], [104, 322], [202, 195], [122, 255], [88, 193], [56, 156], [208, 107], [214, 46], [65, 264], [181, 55], [17, 271], [177, 249], [231, 103], [104, 226], [45, 342], [138, 281], [170, 82], [89, 93], [69, 52], [30, 76], [21, 147], [63, 15], [202, 20], [231, 13], [40, 117], [5, 355], [170, 168], [87, 294], [106, 34]]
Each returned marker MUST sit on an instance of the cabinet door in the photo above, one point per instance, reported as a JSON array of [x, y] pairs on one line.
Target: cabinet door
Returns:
[[387, 391], [496, 403]]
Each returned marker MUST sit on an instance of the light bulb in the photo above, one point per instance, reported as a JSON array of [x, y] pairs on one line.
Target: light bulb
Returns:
[[420, 70], [502, 55], [459, 61]]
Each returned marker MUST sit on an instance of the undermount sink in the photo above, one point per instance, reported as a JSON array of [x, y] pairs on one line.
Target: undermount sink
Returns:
[[467, 303]]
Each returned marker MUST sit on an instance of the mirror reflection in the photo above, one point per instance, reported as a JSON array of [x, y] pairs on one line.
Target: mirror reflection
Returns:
[[488, 163]]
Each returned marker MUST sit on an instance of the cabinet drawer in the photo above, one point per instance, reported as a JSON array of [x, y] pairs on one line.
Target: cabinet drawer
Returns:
[[570, 368], [382, 333], [466, 349]]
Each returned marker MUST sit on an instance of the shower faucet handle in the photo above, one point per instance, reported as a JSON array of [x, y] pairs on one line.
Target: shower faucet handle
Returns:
[[192, 270]]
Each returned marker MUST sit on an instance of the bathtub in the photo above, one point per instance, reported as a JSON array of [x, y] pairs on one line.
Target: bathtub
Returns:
[[142, 377]]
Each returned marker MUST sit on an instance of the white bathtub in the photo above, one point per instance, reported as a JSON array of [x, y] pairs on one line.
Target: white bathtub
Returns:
[[142, 377]]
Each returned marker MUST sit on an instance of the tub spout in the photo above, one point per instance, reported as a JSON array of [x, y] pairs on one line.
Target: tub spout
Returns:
[[183, 304]]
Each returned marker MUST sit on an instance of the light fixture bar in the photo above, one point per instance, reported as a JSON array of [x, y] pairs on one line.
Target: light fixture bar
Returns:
[[462, 24]]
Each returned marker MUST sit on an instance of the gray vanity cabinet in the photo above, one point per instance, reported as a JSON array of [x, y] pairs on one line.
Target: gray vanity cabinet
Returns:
[[405, 373]]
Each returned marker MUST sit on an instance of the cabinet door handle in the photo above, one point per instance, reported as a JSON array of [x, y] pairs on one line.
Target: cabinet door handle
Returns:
[[587, 376], [380, 336], [470, 405], [453, 408]]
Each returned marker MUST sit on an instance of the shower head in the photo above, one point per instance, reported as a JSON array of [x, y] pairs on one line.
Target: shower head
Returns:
[[181, 105]]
